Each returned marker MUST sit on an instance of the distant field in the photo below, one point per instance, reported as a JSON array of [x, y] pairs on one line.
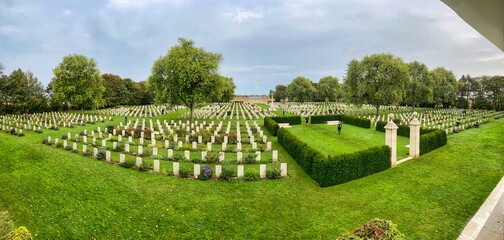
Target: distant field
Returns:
[[326, 139]]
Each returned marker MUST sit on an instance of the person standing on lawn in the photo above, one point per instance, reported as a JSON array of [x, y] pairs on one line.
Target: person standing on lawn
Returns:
[[339, 128]]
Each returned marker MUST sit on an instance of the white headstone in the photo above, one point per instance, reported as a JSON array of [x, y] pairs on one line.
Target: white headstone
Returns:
[[268, 146], [275, 155], [122, 158], [240, 171], [258, 156], [187, 154], [218, 170], [138, 162], [154, 151], [283, 169], [197, 170], [156, 166], [107, 156], [140, 150], [170, 153], [239, 157], [203, 155], [262, 171], [175, 168]]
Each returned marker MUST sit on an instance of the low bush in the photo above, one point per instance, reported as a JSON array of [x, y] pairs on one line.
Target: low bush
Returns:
[[432, 140], [271, 125], [101, 155], [375, 229], [184, 173], [20, 233], [127, 164], [251, 177], [227, 174], [206, 173], [273, 173], [291, 120]]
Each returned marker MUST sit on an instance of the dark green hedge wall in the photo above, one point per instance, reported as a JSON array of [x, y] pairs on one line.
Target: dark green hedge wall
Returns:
[[323, 118], [432, 140], [292, 120], [271, 125], [359, 122]]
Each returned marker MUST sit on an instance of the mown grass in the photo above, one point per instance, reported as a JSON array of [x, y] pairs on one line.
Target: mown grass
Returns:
[[326, 139], [61, 195]]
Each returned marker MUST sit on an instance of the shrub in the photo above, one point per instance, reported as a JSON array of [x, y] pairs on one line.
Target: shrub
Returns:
[[20, 233], [273, 173], [250, 159], [64, 137], [38, 131], [212, 157], [206, 173], [251, 177], [291, 120], [323, 118], [146, 166], [21, 134], [375, 229], [227, 174], [45, 141], [101, 155], [271, 125], [13, 131], [380, 126], [127, 164], [184, 173], [432, 140]]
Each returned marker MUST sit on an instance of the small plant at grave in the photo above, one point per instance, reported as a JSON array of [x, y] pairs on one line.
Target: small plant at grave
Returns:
[[13, 131], [110, 128], [82, 133], [227, 174], [21, 134], [59, 145], [64, 137], [232, 138], [196, 160], [212, 157], [206, 173], [251, 177], [253, 130], [249, 159], [120, 147], [86, 154], [145, 167], [71, 126], [181, 132], [184, 173], [375, 229], [127, 164], [146, 153], [245, 141], [273, 173], [45, 141], [101, 155], [75, 151], [68, 148], [186, 146]]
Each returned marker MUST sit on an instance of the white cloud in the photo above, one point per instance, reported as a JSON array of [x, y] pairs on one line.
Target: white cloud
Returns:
[[244, 15], [135, 4], [260, 68], [491, 58], [67, 12], [305, 9], [9, 30]]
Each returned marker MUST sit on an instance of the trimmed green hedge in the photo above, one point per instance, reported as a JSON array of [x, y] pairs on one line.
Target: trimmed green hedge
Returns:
[[342, 168], [332, 170], [403, 130], [271, 125], [432, 140], [323, 118], [359, 122], [291, 120]]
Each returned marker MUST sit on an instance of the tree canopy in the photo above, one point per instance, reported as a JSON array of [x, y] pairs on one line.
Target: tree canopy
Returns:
[[280, 93], [186, 74], [21, 92], [300, 89], [328, 89], [78, 83], [419, 89], [378, 79], [445, 87]]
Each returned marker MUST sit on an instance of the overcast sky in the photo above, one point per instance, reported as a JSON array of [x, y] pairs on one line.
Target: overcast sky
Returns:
[[264, 43]]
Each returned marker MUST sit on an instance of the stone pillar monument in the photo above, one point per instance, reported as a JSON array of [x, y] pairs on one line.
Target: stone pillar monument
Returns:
[[391, 139], [414, 149]]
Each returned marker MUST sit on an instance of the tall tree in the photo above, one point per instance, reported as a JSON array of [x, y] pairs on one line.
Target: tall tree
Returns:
[[300, 89], [280, 93], [116, 91], [22, 93], [494, 89], [445, 87], [328, 88], [186, 74], [419, 89], [226, 90], [78, 83], [378, 79]]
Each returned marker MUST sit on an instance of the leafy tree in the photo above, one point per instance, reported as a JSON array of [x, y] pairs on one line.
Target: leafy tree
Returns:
[[78, 83], [186, 74], [494, 89], [280, 93], [300, 90], [142, 93], [328, 89], [419, 88], [22, 93], [116, 91], [445, 87], [226, 90], [378, 79]]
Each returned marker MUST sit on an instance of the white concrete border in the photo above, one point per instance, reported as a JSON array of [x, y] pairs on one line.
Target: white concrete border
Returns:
[[487, 222]]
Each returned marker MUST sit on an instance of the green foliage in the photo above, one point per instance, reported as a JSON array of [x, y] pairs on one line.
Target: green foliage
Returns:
[[227, 174], [184, 173], [77, 82], [378, 79], [328, 89], [117, 93], [375, 229], [280, 93], [273, 173], [432, 140], [342, 168], [20, 233], [420, 87], [300, 89], [271, 125], [291, 120], [21, 92], [6, 224], [445, 87], [127, 164], [251, 177], [353, 120], [187, 75], [323, 118]]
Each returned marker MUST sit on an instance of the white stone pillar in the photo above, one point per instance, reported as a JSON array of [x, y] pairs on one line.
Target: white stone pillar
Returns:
[[218, 170], [170, 153], [107, 156], [187, 155], [239, 157], [203, 155], [258, 156], [138, 162], [209, 146], [122, 158], [197, 170], [275, 155], [176, 168], [283, 169], [240, 171], [391, 139], [414, 149]]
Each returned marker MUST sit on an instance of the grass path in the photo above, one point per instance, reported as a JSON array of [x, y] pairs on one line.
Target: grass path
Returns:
[[61, 195]]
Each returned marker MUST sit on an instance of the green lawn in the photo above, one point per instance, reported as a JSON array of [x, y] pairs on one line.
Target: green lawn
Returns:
[[325, 138], [61, 195]]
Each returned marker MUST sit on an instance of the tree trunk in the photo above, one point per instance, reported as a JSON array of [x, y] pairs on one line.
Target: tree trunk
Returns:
[[413, 107], [191, 107], [377, 109]]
